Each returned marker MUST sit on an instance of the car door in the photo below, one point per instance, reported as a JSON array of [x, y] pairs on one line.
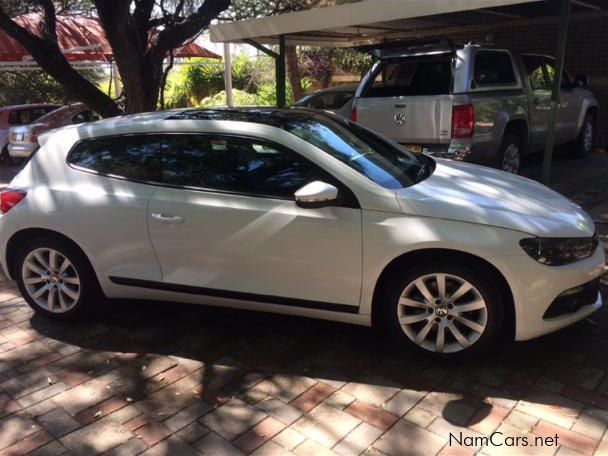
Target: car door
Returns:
[[111, 176], [540, 99], [226, 223], [569, 105]]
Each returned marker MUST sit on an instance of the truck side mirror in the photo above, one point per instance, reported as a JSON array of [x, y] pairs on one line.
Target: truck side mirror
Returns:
[[581, 80]]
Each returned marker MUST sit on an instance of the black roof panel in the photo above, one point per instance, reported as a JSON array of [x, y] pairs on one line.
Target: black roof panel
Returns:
[[275, 117]]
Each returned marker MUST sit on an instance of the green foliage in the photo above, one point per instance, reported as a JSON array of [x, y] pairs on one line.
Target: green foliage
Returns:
[[241, 98], [320, 63], [190, 83], [23, 87], [265, 95]]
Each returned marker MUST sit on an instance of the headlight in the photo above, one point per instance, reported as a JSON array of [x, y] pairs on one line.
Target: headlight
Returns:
[[560, 251]]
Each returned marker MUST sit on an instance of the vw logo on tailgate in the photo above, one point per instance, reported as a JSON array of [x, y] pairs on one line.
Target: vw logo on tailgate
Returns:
[[399, 118]]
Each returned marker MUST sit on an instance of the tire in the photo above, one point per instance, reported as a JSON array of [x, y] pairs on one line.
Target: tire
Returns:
[[583, 146], [74, 287], [13, 161], [407, 321], [510, 155]]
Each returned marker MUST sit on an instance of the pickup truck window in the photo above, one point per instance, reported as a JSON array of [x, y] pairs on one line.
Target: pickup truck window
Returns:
[[494, 68], [411, 77], [550, 66], [536, 72]]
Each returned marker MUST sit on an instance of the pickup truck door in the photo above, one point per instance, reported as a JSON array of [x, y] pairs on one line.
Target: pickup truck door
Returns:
[[570, 105], [540, 99]]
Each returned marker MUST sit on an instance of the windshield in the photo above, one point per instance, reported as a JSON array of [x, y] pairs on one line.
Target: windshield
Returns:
[[383, 161]]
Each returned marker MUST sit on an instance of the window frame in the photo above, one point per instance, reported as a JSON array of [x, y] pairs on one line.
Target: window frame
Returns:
[[382, 63], [549, 61], [543, 69], [495, 86], [348, 198]]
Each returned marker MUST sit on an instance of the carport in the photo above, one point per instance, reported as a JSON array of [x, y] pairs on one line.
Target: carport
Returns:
[[380, 21]]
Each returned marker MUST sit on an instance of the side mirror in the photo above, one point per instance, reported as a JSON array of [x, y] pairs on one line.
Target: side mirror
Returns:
[[316, 194], [581, 80]]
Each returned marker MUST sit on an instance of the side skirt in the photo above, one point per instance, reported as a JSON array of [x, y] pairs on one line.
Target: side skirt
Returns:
[[236, 295]]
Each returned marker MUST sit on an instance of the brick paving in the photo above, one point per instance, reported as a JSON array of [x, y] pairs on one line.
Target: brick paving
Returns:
[[170, 379]]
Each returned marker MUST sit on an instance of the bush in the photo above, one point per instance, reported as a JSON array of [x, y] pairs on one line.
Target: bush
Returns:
[[189, 84]]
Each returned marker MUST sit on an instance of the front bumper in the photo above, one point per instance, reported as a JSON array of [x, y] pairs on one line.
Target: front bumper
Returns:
[[535, 287], [21, 150]]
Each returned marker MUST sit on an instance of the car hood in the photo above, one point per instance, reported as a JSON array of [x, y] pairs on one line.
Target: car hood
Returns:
[[477, 194]]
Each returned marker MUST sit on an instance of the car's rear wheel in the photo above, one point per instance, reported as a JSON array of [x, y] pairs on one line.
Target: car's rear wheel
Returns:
[[447, 310], [6, 157], [510, 154], [55, 278], [583, 146]]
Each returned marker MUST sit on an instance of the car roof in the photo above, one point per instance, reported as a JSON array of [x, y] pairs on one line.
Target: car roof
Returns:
[[61, 113], [276, 117], [145, 122], [29, 106], [339, 88]]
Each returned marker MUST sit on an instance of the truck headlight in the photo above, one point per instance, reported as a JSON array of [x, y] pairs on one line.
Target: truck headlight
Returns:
[[559, 251]]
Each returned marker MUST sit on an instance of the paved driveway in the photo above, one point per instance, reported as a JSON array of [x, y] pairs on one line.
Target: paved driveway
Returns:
[[175, 379]]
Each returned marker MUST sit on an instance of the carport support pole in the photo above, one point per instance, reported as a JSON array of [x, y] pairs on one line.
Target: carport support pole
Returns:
[[228, 75], [280, 73], [555, 93]]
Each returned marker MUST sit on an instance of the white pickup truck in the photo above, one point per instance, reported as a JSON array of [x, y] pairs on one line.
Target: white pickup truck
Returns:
[[471, 103]]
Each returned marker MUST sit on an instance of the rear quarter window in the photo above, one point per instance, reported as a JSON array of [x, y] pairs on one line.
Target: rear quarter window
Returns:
[[135, 158], [494, 68]]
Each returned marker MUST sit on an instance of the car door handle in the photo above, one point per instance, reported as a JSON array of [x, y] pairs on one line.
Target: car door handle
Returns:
[[164, 218]]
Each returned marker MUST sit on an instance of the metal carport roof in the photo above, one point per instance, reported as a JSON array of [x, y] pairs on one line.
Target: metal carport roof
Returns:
[[372, 21], [381, 21]]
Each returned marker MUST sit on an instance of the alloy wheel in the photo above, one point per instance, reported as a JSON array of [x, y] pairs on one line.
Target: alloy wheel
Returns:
[[442, 313], [588, 137], [51, 280]]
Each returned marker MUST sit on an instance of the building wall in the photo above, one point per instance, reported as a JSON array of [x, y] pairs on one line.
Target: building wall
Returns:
[[586, 53]]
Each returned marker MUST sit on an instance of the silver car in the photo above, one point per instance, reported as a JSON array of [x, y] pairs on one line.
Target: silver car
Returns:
[[338, 99], [471, 103]]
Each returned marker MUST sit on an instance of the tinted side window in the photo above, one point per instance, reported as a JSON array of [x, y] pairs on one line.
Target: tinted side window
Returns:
[[536, 73], [35, 113], [494, 67], [411, 77], [235, 164], [131, 157], [17, 118]]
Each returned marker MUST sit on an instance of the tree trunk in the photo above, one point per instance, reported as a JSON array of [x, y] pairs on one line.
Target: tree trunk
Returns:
[[293, 72]]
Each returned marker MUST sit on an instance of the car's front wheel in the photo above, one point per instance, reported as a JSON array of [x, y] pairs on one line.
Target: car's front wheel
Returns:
[[444, 309], [55, 278]]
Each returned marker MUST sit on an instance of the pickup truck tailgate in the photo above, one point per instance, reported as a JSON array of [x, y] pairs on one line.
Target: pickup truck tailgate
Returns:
[[418, 119]]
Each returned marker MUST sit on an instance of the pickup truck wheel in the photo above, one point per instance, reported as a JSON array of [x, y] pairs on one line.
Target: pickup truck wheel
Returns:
[[510, 154], [583, 146], [444, 309]]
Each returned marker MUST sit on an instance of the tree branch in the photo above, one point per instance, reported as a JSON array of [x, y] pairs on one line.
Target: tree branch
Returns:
[[47, 54], [49, 26], [173, 36]]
